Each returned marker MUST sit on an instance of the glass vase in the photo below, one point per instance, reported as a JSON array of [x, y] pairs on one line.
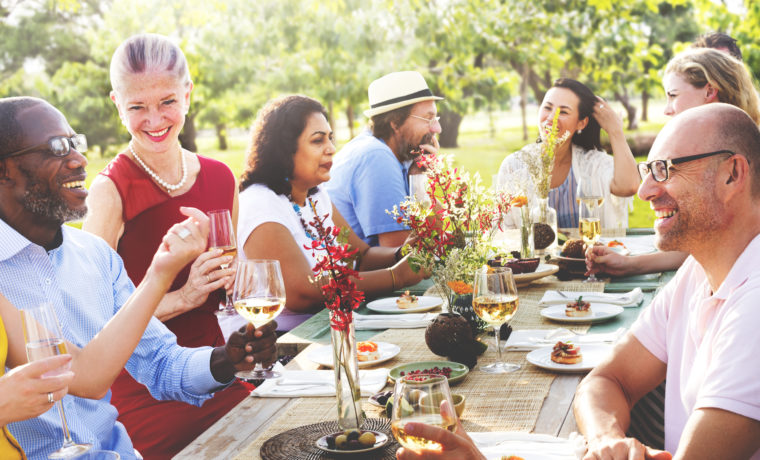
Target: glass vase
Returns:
[[544, 227], [347, 390], [526, 241]]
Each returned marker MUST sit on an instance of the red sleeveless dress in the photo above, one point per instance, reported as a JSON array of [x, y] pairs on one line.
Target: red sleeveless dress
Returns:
[[160, 429]]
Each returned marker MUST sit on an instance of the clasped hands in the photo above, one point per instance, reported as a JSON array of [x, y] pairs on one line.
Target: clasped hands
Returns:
[[244, 349]]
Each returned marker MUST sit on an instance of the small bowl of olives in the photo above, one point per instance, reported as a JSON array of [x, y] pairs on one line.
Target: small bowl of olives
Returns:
[[352, 441]]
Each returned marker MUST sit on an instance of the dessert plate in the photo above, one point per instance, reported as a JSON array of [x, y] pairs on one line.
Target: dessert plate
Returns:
[[599, 312], [388, 305], [593, 355]]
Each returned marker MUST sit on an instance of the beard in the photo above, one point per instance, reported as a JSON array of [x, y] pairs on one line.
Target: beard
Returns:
[[697, 219], [42, 201], [412, 151]]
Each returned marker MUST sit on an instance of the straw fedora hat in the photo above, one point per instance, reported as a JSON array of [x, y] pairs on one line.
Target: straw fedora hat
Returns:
[[397, 89]]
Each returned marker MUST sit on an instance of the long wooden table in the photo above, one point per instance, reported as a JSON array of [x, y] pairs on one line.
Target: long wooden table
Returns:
[[250, 419]]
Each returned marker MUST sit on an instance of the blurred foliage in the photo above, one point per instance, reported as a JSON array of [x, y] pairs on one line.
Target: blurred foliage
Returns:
[[479, 54]]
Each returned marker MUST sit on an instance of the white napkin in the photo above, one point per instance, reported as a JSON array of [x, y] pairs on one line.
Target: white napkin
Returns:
[[532, 339], [625, 299], [530, 446], [401, 321], [294, 383]]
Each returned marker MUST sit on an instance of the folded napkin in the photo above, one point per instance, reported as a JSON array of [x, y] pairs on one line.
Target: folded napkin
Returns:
[[529, 445], [400, 321], [294, 384], [532, 339], [625, 299]]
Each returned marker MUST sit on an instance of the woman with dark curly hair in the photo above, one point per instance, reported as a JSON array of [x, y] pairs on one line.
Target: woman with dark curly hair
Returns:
[[290, 156]]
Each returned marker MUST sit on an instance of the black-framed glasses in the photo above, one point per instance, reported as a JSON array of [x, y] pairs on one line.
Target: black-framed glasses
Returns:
[[58, 146], [431, 121], [660, 168]]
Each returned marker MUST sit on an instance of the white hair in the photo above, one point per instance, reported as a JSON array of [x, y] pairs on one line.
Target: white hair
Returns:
[[147, 53]]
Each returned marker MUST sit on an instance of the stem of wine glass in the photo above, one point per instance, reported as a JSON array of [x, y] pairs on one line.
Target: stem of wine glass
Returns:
[[498, 340], [67, 441]]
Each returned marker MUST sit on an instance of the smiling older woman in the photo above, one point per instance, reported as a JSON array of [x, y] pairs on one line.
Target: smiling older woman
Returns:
[[290, 156]]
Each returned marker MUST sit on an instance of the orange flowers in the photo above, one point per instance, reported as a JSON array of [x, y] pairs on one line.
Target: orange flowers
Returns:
[[460, 287], [519, 201]]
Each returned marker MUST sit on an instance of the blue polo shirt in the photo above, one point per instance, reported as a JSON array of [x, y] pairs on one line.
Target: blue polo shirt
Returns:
[[366, 180]]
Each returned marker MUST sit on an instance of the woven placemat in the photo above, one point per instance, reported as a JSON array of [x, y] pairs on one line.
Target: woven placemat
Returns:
[[298, 443]]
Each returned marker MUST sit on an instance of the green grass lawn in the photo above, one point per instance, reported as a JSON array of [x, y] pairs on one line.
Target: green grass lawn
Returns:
[[477, 152]]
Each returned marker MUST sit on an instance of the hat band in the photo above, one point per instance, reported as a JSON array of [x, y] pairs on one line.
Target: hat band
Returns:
[[423, 93]]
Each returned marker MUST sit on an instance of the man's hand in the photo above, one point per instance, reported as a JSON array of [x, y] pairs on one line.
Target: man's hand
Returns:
[[601, 259], [454, 446], [623, 449], [244, 348]]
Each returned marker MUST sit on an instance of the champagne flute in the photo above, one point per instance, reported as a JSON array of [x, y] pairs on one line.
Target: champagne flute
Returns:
[[43, 337], [494, 300], [590, 198], [222, 236], [420, 398], [258, 296]]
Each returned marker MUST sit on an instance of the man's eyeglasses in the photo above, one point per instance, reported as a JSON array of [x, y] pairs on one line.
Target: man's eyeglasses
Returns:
[[660, 168], [58, 146], [431, 121]]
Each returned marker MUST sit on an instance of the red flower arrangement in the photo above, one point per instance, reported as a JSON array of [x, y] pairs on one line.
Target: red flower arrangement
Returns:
[[335, 261]]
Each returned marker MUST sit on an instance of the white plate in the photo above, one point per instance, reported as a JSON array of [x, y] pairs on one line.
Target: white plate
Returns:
[[388, 304], [599, 312], [593, 355], [542, 270], [323, 355]]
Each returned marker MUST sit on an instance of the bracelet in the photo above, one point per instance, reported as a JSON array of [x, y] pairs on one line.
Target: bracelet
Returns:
[[398, 255], [393, 278]]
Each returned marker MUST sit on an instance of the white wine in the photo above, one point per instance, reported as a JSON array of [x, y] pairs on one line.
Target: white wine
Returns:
[[226, 251], [259, 311], [590, 229], [495, 309], [47, 348], [417, 443], [591, 202]]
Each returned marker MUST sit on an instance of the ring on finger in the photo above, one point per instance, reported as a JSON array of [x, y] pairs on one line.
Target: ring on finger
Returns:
[[601, 106], [208, 279], [51, 400], [183, 233]]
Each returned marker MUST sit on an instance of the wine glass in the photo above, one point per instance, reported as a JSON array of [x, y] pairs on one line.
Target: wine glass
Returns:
[[43, 337], [494, 300], [590, 198], [258, 296], [421, 398], [222, 236]]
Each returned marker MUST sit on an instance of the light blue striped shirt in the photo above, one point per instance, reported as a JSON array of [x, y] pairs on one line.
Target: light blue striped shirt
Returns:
[[86, 282], [562, 199]]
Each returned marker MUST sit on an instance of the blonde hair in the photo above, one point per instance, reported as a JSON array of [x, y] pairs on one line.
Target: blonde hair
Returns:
[[148, 53], [728, 75]]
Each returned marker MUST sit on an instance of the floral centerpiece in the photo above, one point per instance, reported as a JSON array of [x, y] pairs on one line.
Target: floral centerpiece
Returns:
[[334, 272], [454, 228], [540, 167]]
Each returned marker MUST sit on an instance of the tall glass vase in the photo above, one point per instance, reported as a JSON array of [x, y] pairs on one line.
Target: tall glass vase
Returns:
[[347, 389], [526, 229], [544, 229]]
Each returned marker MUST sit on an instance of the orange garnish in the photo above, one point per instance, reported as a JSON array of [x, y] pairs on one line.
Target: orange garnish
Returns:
[[460, 287], [614, 243], [366, 346]]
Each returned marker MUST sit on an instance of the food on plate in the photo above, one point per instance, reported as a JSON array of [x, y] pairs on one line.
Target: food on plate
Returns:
[[578, 308], [367, 351], [511, 457], [445, 371], [616, 244], [351, 440], [566, 353], [407, 300], [516, 264], [574, 248]]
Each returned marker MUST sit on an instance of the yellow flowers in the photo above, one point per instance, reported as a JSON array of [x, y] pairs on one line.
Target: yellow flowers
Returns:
[[460, 287]]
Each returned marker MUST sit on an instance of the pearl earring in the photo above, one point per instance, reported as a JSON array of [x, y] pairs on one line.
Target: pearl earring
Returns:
[[579, 131]]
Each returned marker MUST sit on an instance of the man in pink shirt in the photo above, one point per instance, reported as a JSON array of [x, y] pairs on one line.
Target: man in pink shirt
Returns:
[[702, 331]]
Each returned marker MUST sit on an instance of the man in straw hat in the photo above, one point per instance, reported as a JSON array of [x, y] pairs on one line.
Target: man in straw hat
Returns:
[[371, 173]]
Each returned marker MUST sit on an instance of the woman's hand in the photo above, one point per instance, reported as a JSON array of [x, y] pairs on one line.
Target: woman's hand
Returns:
[[182, 243], [404, 273], [24, 389], [608, 119]]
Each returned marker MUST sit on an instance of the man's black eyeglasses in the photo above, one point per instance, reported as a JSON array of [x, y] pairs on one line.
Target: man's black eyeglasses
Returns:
[[660, 168], [58, 146]]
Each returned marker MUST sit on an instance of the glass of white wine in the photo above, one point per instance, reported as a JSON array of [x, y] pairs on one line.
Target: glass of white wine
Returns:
[[43, 337], [590, 199], [258, 296], [495, 301], [421, 398], [221, 235]]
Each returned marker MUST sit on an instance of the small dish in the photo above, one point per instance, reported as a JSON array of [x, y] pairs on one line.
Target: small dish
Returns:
[[381, 439], [378, 398], [593, 355], [323, 355], [388, 304], [456, 398], [458, 371], [523, 279], [599, 312]]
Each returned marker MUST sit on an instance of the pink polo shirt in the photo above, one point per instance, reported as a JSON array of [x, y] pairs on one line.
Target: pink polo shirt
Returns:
[[709, 342]]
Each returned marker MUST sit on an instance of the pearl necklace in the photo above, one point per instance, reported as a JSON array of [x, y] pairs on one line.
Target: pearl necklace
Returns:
[[169, 187]]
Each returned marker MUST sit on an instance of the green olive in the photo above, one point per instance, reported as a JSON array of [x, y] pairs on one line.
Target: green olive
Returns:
[[367, 439], [341, 441]]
